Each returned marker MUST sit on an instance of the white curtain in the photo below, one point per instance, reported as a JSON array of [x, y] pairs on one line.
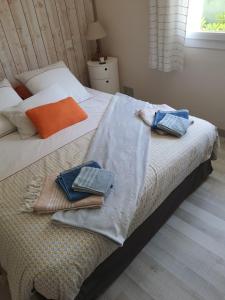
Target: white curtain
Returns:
[[168, 20]]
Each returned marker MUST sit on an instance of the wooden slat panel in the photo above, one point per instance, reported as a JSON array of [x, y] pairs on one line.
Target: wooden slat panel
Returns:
[[23, 33], [89, 12], [45, 30], [56, 30], [2, 72], [12, 36], [66, 33], [6, 57], [35, 33], [82, 26], [77, 44]]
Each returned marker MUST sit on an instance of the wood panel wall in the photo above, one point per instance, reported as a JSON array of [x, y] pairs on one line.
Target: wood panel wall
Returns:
[[35, 33]]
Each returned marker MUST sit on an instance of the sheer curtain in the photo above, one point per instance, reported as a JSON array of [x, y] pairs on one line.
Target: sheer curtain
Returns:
[[168, 20]]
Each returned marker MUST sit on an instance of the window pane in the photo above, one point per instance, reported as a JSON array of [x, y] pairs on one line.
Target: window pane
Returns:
[[213, 17]]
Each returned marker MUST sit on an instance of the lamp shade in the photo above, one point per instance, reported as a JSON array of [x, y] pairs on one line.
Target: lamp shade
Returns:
[[95, 31]]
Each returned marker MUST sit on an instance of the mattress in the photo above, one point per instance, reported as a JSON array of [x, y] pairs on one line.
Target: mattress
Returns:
[[36, 254]]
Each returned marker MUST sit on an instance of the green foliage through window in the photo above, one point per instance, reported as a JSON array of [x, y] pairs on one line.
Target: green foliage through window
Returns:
[[213, 18]]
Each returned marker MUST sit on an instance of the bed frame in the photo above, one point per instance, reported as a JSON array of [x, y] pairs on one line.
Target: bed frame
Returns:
[[117, 262]]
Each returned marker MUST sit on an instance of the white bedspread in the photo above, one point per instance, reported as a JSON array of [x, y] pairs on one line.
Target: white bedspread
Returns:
[[56, 261]]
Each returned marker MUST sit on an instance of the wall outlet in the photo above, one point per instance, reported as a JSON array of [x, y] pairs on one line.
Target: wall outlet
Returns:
[[128, 91]]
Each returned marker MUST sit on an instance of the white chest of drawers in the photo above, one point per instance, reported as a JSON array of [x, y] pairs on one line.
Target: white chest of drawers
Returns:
[[104, 77]]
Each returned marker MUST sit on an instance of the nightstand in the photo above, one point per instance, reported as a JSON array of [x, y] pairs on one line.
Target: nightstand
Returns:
[[104, 77]]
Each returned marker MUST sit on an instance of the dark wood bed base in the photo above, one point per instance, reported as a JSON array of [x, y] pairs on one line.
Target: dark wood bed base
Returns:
[[115, 264]]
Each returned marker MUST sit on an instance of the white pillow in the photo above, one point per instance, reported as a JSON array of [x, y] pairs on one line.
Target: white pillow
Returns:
[[8, 97], [40, 79], [16, 114]]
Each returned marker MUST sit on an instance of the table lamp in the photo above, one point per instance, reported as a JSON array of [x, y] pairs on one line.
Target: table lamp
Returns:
[[95, 31]]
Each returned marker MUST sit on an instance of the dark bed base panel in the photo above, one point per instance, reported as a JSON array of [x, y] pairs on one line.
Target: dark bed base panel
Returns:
[[114, 265]]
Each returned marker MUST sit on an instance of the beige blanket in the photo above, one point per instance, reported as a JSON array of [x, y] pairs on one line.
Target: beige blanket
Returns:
[[55, 261]]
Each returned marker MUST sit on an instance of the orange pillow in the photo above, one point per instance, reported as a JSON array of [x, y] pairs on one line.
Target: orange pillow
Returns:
[[51, 118], [23, 92]]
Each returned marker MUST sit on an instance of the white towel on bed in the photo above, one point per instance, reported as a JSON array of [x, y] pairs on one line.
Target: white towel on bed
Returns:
[[121, 145]]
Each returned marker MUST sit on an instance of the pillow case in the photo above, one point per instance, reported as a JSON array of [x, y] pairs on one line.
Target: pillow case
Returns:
[[58, 73], [16, 114], [51, 118], [22, 91], [8, 97]]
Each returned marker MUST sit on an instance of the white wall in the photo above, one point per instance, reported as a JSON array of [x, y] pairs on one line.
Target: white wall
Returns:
[[200, 87]]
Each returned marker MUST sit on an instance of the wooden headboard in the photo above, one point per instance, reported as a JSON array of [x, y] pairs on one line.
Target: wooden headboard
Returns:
[[36, 33]]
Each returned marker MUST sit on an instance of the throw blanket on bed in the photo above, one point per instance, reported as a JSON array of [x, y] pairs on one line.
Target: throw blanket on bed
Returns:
[[121, 145]]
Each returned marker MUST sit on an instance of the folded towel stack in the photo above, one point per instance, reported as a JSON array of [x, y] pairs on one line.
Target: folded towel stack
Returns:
[[66, 178], [174, 125], [52, 199], [160, 114], [173, 122], [85, 186], [93, 180]]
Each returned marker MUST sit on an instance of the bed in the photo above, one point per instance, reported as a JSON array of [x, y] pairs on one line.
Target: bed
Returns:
[[65, 263]]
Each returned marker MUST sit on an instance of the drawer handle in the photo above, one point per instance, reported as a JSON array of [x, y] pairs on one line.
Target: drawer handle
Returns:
[[107, 81], [106, 69]]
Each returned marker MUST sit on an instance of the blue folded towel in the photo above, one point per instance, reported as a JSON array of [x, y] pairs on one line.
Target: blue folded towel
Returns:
[[95, 181], [66, 179], [174, 125], [159, 115]]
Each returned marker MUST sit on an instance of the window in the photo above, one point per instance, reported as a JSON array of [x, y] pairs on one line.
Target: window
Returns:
[[206, 24], [213, 16]]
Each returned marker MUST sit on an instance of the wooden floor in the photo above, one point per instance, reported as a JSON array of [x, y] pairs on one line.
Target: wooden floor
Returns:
[[186, 259]]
